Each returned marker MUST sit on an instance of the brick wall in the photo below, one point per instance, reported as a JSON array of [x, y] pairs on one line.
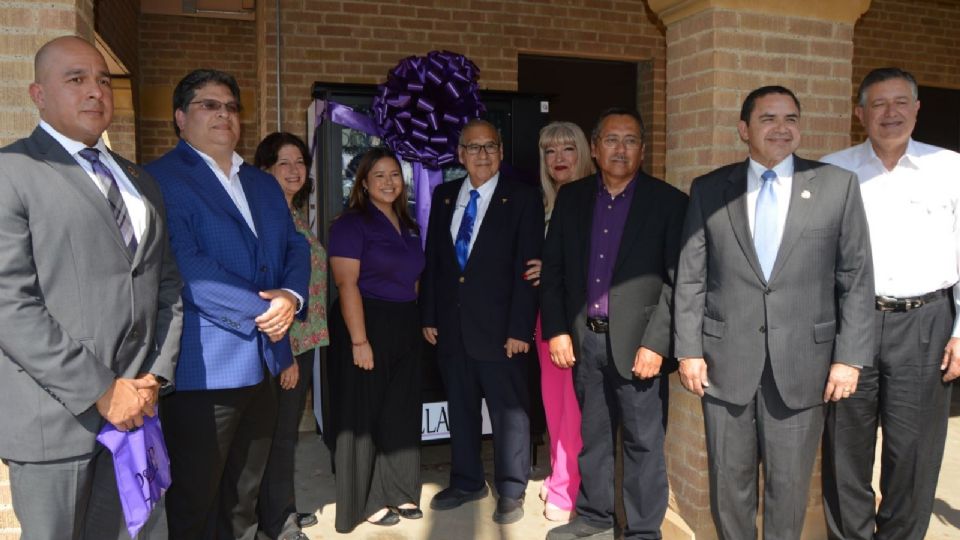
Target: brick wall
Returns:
[[172, 46], [358, 42], [917, 35], [24, 27]]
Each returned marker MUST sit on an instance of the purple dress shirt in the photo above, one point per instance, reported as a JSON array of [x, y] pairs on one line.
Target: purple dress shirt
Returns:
[[609, 218], [390, 262]]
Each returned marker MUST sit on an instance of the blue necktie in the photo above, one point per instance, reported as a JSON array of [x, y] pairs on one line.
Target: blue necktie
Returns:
[[765, 224], [466, 229], [113, 197]]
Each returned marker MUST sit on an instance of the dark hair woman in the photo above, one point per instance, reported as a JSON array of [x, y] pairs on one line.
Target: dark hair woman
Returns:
[[376, 259], [286, 157]]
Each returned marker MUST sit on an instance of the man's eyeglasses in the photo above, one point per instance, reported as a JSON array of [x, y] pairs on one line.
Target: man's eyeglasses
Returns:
[[214, 105], [474, 149], [613, 141]]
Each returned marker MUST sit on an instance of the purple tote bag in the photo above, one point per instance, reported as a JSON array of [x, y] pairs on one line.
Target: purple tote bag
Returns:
[[142, 468]]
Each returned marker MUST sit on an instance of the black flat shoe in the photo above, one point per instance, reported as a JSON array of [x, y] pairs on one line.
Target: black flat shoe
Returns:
[[410, 513], [305, 520], [388, 519], [452, 497], [509, 510]]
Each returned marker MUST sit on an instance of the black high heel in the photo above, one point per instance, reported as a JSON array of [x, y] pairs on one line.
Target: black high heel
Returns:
[[410, 513]]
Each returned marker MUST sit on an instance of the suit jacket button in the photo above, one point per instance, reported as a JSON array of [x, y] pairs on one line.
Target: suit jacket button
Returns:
[[136, 272], [263, 268], [763, 329], [462, 279], [766, 291]]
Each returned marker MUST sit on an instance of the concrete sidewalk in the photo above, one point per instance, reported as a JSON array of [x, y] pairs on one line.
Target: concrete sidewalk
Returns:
[[316, 492]]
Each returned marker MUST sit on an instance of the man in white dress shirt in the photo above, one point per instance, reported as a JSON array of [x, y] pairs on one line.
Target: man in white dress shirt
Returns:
[[911, 193]]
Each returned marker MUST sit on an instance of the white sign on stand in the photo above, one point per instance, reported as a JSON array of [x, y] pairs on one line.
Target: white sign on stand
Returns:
[[436, 421]]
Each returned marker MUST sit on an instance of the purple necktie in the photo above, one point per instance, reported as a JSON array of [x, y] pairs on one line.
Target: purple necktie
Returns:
[[113, 197]]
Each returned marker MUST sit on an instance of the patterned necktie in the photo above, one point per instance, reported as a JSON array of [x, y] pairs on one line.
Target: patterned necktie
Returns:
[[765, 224], [466, 229], [113, 197]]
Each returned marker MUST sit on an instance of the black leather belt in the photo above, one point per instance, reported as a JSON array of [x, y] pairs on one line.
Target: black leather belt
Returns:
[[598, 325], [897, 305]]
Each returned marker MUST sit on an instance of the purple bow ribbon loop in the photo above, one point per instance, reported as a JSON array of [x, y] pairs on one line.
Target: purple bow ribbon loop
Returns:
[[419, 112]]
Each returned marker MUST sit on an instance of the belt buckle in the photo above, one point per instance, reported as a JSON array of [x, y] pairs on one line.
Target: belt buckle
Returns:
[[886, 303], [892, 304], [598, 326]]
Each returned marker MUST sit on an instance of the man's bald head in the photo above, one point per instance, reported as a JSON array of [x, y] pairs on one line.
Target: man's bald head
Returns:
[[71, 88], [49, 50]]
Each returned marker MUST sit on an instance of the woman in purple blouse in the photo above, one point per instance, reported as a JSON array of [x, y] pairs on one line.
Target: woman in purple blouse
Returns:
[[376, 259]]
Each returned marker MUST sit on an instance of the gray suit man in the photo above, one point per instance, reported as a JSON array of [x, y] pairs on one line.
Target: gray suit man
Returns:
[[774, 310], [89, 301]]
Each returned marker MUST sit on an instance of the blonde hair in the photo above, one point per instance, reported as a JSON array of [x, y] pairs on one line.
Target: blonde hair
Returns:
[[562, 133]]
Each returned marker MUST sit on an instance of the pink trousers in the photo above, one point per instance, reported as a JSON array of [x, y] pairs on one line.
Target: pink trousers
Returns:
[[563, 424]]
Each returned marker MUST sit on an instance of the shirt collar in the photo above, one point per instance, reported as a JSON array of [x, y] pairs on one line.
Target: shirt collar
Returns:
[[71, 146], [485, 190], [235, 161], [908, 159], [627, 191], [784, 169]]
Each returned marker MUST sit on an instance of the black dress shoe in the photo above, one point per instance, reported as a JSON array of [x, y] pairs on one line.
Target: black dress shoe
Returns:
[[388, 519], [453, 497], [297, 536], [410, 513], [305, 520], [578, 528], [509, 510]]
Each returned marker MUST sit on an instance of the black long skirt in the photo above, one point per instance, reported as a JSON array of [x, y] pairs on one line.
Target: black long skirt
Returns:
[[378, 412]]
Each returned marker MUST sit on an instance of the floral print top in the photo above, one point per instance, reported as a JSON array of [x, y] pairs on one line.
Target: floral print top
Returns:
[[312, 333]]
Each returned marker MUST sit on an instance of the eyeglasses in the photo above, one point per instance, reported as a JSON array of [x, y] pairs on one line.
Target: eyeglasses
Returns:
[[613, 141], [474, 149], [214, 105]]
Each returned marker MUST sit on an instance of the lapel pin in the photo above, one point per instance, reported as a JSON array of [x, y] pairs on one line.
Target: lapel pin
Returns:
[[446, 201], [132, 171], [504, 200], [804, 194]]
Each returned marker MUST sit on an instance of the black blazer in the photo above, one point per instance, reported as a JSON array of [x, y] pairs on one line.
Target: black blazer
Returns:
[[489, 300], [641, 290]]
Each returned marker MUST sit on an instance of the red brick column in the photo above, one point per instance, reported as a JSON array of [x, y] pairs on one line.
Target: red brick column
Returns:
[[718, 51]]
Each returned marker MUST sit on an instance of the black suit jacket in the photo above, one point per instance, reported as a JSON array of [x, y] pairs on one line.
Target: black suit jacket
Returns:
[[643, 275], [489, 300]]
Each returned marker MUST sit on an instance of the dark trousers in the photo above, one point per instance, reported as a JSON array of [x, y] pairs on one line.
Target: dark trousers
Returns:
[[607, 401], [69, 499], [379, 413], [505, 385], [765, 431], [218, 442], [277, 504], [904, 392]]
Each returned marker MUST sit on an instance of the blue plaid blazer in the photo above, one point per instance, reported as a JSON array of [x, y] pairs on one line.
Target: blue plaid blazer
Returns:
[[224, 265]]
